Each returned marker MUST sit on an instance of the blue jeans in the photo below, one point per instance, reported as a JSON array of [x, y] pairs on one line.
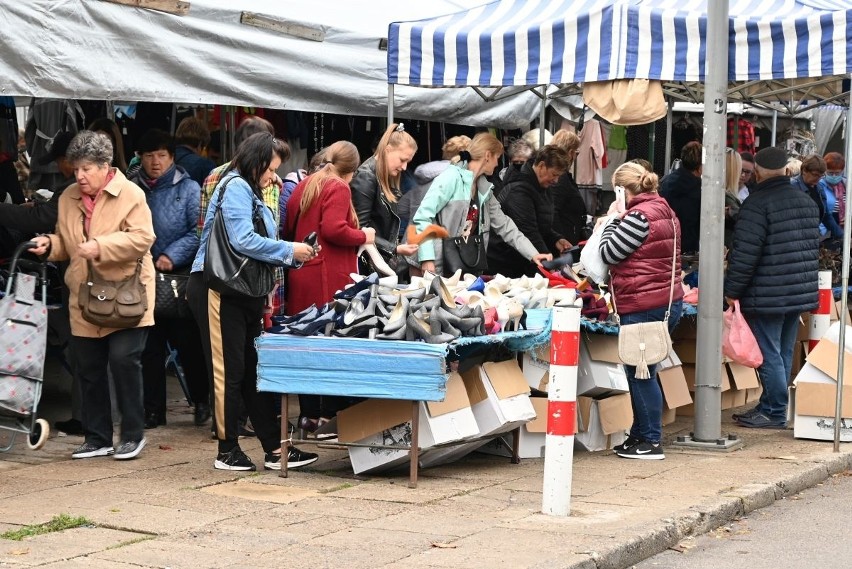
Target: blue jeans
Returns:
[[646, 396], [776, 336]]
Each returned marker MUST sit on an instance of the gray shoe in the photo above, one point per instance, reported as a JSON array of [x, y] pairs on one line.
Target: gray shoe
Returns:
[[129, 449], [748, 414], [90, 450]]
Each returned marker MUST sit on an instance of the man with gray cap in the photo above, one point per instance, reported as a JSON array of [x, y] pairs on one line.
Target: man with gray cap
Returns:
[[772, 271]]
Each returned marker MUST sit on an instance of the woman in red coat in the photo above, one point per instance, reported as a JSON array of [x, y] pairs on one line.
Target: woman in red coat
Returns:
[[322, 202]]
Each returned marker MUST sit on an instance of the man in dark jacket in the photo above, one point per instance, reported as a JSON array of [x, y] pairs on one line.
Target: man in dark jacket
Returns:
[[682, 189], [772, 271]]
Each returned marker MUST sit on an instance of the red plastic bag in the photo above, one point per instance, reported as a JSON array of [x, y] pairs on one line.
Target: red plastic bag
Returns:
[[738, 342]]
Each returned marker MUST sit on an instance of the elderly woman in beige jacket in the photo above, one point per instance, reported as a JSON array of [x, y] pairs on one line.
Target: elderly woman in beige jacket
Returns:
[[104, 218]]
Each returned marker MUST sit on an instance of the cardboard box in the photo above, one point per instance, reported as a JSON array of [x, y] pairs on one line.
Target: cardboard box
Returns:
[[532, 435], [834, 315], [603, 421], [689, 375], [500, 401], [804, 332], [685, 349], [536, 367], [742, 377], [673, 384], [733, 398], [388, 422], [600, 372], [800, 352], [816, 390], [669, 416], [686, 329]]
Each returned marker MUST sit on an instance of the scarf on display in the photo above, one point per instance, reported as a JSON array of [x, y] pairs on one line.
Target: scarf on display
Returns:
[[840, 194]]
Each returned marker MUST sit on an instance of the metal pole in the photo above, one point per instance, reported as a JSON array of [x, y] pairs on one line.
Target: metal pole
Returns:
[[844, 287], [668, 137], [774, 127], [708, 403], [390, 104], [541, 117], [561, 410]]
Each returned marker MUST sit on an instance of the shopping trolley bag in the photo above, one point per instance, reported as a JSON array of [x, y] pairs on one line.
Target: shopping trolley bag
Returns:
[[23, 343]]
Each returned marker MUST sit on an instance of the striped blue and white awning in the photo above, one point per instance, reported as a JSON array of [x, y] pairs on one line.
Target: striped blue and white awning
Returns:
[[536, 42]]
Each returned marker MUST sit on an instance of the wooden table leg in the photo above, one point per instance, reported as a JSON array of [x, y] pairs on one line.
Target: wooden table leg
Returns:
[[414, 453], [285, 433]]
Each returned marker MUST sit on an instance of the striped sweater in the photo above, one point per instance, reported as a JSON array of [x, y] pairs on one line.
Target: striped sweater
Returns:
[[623, 236]]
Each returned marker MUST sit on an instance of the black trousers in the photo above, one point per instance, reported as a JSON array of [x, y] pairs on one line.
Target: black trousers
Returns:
[[184, 336], [121, 352], [229, 325]]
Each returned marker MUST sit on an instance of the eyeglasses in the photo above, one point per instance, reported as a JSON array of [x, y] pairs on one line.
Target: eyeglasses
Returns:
[[747, 172]]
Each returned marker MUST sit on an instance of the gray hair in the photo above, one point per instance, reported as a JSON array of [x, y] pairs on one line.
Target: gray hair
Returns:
[[90, 146]]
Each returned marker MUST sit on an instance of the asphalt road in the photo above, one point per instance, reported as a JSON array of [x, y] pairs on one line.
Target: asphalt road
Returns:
[[810, 529]]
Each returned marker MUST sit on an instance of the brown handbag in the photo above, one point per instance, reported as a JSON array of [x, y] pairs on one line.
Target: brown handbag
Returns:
[[113, 304]]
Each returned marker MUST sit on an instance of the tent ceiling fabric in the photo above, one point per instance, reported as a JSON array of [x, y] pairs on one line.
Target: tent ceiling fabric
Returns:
[[88, 49], [533, 42]]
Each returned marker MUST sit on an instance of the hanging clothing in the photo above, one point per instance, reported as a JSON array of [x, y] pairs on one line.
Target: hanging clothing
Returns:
[[590, 162], [743, 131], [46, 119]]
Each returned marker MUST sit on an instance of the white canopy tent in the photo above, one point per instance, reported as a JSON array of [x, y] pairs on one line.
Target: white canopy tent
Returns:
[[98, 50]]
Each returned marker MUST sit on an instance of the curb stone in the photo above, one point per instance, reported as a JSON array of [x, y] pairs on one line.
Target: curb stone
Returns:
[[709, 516]]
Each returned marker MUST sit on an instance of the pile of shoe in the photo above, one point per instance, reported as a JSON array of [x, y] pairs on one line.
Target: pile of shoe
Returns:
[[431, 308]]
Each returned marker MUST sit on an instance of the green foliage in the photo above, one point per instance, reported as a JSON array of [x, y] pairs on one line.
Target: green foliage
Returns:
[[58, 523]]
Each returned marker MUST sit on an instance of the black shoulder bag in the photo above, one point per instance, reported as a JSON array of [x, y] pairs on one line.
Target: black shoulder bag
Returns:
[[465, 253], [229, 272]]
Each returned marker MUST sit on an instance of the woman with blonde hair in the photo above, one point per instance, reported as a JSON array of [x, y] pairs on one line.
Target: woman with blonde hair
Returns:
[[639, 247], [322, 203], [376, 193], [733, 170], [460, 199]]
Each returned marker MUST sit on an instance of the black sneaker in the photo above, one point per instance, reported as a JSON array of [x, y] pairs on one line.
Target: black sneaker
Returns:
[[295, 459], [129, 449], [235, 459], [748, 414], [630, 441], [643, 451], [90, 450], [760, 421]]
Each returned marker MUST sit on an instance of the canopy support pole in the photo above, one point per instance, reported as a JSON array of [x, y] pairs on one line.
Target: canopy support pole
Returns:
[[708, 380], [541, 116], [774, 127], [669, 117], [390, 104], [844, 288]]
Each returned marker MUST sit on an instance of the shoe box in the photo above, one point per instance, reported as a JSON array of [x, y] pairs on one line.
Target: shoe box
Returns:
[[532, 435], [599, 370], [500, 399], [673, 384], [379, 422], [814, 391], [603, 421]]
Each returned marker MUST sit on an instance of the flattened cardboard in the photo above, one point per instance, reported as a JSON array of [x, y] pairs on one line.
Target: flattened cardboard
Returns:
[[669, 416], [370, 417], [675, 390], [506, 378], [473, 385], [602, 348], [804, 331], [455, 398], [836, 309], [616, 413], [539, 424], [584, 411], [743, 377], [824, 358], [536, 372], [818, 400]]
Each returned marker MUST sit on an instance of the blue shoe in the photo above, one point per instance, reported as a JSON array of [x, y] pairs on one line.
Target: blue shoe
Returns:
[[478, 285], [349, 293]]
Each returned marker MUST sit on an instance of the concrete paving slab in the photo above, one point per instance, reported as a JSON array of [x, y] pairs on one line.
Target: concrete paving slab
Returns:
[[338, 505], [249, 490], [176, 555], [396, 490], [452, 519], [61, 545], [196, 500], [327, 556], [159, 520], [89, 562]]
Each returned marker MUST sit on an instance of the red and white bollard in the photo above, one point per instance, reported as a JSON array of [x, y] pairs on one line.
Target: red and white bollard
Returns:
[[821, 317], [561, 410]]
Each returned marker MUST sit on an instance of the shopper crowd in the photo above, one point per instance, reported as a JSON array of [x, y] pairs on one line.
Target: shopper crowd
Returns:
[[337, 221]]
